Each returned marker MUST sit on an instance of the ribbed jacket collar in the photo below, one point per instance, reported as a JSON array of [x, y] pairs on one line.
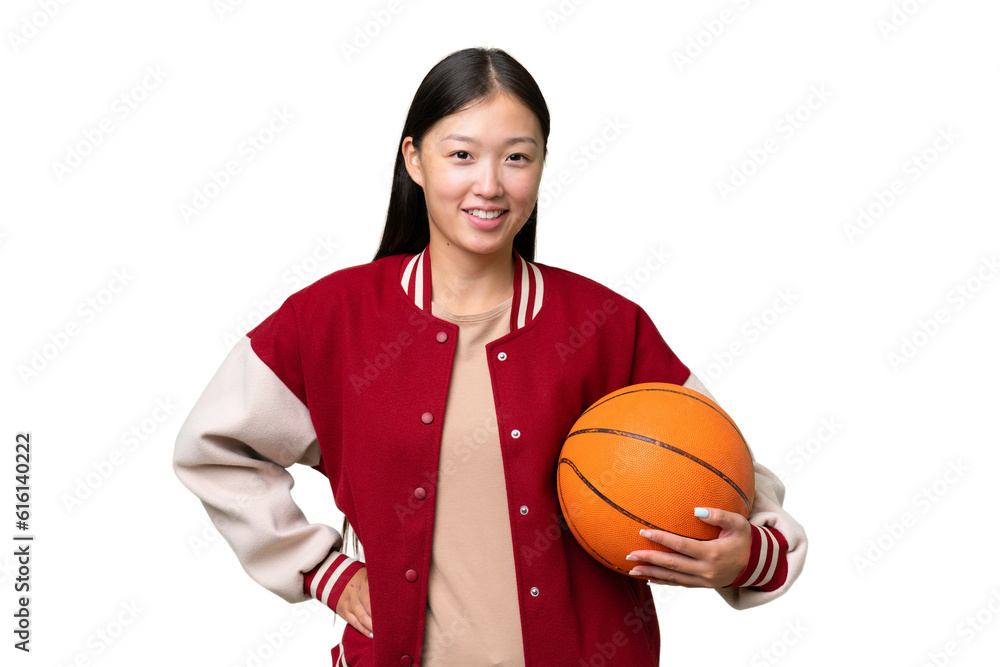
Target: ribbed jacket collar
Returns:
[[529, 288]]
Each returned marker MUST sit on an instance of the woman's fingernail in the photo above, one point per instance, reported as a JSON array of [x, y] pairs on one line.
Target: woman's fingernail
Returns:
[[634, 572], [371, 635], [631, 557], [644, 532], [701, 512]]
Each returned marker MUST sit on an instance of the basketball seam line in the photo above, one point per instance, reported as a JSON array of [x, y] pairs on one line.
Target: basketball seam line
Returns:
[[699, 398], [593, 551], [619, 507], [676, 450]]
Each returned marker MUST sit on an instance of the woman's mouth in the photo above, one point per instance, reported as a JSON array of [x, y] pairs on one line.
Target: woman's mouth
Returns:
[[485, 219]]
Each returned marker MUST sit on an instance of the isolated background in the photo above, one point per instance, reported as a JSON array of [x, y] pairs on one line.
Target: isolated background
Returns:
[[901, 550]]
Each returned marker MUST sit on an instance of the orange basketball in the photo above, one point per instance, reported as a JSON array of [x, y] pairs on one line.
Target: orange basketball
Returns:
[[644, 457]]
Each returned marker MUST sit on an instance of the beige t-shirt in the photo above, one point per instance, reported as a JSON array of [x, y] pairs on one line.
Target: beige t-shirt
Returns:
[[473, 616]]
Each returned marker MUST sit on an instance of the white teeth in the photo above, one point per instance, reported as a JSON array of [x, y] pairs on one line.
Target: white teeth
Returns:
[[485, 215]]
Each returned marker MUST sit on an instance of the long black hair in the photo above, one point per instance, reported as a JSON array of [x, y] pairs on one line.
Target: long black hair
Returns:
[[460, 78]]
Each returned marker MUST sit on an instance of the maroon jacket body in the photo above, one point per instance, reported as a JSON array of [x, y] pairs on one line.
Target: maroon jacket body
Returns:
[[361, 351]]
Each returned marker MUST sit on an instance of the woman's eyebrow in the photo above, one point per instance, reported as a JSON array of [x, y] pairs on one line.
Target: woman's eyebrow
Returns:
[[470, 140]]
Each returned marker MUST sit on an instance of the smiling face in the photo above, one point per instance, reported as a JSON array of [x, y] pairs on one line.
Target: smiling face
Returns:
[[480, 169]]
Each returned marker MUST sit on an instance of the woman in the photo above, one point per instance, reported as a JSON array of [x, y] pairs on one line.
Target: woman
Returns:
[[436, 403]]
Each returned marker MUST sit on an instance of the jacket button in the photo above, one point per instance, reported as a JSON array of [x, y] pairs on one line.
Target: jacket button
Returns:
[[524, 509], [419, 493], [515, 433], [405, 661], [442, 336], [502, 356], [411, 576], [534, 591], [427, 418]]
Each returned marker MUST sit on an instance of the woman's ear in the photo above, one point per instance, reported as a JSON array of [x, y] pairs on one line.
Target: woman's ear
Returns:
[[411, 158]]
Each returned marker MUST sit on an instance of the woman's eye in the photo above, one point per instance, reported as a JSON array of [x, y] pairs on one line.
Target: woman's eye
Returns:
[[465, 155]]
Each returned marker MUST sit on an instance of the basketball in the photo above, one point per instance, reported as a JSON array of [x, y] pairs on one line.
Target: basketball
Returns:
[[645, 456]]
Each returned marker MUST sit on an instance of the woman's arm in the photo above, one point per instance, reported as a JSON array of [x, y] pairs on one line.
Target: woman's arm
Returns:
[[778, 550], [232, 452]]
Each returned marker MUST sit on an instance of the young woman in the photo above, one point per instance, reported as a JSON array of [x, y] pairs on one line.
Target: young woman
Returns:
[[434, 387]]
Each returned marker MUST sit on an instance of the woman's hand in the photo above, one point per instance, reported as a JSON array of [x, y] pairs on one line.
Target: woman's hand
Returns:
[[698, 563], [354, 605]]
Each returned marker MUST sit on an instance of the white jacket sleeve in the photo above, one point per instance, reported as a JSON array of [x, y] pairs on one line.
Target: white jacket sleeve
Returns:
[[778, 551], [232, 452]]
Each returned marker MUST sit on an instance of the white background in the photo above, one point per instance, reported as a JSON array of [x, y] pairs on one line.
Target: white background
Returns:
[[133, 545]]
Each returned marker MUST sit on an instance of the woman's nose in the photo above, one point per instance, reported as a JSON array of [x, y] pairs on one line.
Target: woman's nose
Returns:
[[488, 181]]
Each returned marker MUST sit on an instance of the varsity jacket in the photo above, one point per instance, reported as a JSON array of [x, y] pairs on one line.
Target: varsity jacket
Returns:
[[350, 376]]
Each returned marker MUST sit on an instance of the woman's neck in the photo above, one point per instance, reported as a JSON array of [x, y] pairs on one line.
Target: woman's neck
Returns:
[[466, 283]]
